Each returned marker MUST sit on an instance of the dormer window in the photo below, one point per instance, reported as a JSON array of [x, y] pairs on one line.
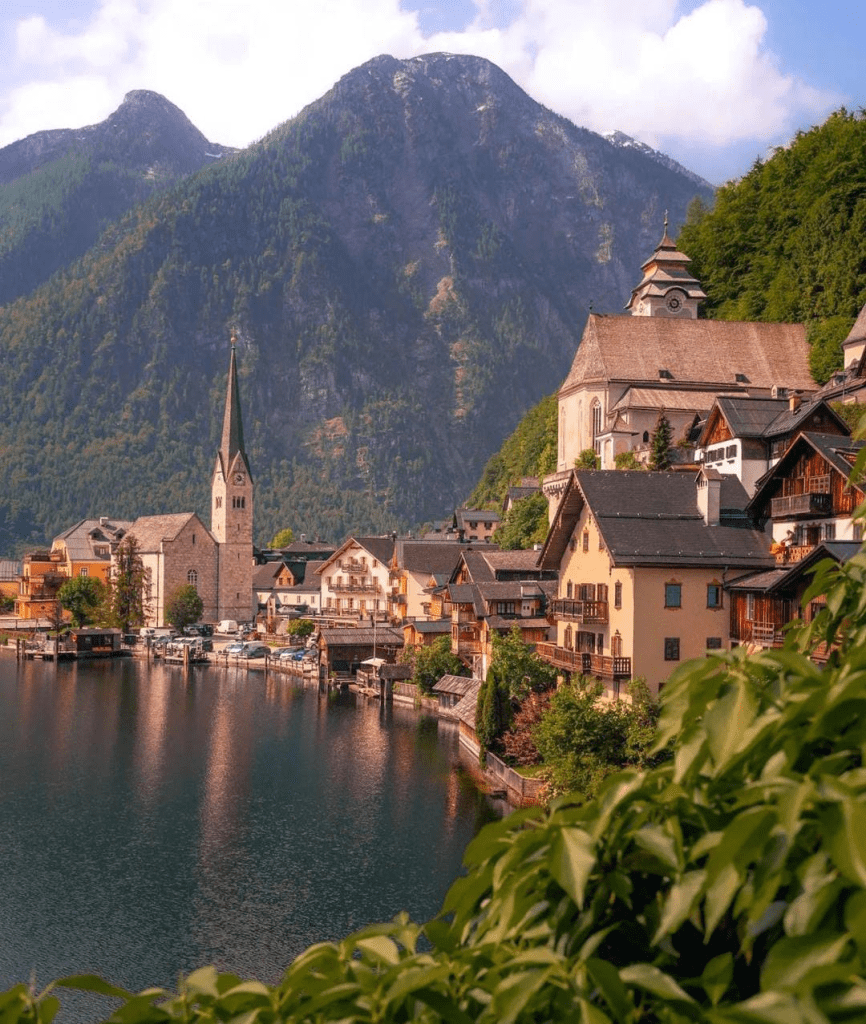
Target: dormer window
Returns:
[[665, 375], [741, 378]]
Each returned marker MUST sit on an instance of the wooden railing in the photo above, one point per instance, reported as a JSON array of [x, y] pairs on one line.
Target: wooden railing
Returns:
[[586, 664], [590, 612], [813, 503], [766, 634], [354, 588], [793, 553]]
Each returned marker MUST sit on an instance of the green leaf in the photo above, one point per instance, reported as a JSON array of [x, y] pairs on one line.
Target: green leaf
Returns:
[[679, 902], [93, 983], [379, 948], [717, 977], [847, 839], [650, 978], [606, 979], [727, 720], [572, 860], [791, 959]]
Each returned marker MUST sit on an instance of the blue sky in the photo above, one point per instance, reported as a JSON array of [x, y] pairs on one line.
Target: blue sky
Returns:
[[713, 83]]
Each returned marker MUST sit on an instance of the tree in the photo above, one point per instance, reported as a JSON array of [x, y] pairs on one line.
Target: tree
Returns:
[[627, 460], [660, 444], [582, 739], [588, 459], [519, 665], [825, 346], [493, 712], [432, 661], [524, 524], [82, 596], [283, 538], [300, 628], [129, 586], [183, 606]]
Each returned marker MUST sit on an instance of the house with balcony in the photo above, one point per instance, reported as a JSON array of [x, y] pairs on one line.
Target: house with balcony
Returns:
[[763, 604], [481, 610], [355, 582], [86, 548], [414, 566], [746, 435], [643, 558], [805, 504], [42, 576]]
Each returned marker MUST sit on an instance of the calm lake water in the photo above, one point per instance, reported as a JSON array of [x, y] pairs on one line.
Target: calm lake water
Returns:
[[152, 823]]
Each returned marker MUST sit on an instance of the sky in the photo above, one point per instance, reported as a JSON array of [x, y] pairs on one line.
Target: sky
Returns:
[[715, 84]]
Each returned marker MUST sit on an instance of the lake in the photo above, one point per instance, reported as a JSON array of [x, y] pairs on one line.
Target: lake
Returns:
[[154, 822]]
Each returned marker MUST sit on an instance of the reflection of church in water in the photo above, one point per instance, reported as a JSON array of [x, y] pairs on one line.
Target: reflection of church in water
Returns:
[[178, 548]]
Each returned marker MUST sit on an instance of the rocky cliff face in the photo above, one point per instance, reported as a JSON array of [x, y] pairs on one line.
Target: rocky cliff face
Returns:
[[408, 265]]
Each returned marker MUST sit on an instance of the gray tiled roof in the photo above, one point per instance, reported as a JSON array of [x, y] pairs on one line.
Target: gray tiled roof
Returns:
[[432, 626], [431, 556], [455, 684], [81, 538], [338, 636], [652, 519]]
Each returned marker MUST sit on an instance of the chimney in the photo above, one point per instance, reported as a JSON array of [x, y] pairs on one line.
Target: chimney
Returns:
[[794, 401], [709, 496], [103, 520]]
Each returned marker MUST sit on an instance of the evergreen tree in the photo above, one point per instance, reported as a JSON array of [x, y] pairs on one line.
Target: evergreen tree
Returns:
[[431, 662], [493, 713], [524, 524], [129, 586], [660, 444]]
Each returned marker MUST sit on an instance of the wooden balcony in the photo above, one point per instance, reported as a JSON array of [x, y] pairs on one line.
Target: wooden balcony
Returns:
[[814, 498], [583, 663], [594, 613], [764, 634], [793, 553], [355, 588]]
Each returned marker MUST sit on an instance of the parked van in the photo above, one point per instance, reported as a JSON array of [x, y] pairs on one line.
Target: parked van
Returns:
[[227, 626]]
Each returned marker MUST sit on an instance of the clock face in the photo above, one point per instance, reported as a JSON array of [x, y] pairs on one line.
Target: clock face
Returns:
[[239, 478], [673, 303]]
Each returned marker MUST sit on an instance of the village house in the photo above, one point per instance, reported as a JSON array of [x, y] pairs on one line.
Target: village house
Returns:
[[86, 548], [475, 524], [342, 650], [746, 436], [355, 581], [424, 632], [415, 564], [286, 590], [806, 503], [643, 559], [41, 578], [661, 358]]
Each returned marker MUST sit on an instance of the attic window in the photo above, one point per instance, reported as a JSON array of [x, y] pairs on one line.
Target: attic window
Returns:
[[665, 375], [741, 378]]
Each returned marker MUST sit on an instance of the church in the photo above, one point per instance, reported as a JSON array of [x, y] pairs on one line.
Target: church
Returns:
[[178, 548], [660, 357]]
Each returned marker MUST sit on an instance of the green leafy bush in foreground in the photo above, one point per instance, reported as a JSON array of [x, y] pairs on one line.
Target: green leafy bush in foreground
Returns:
[[726, 886]]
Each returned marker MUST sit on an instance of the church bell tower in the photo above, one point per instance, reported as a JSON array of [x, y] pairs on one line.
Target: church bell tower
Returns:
[[668, 287], [232, 510]]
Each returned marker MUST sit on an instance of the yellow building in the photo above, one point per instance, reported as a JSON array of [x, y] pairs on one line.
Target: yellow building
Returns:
[[643, 561], [86, 548]]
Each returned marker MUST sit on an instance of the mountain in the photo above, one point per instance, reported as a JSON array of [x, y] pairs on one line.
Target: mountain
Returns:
[[407, 266], [63, 187], [627, 142]]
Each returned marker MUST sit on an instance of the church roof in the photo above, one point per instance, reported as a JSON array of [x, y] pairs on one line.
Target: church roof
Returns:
[[151, 531], [717, 355], [664, 398], [232, 443]]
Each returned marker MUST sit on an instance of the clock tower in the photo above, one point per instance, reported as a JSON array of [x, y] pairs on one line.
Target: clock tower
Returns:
[[232, 510], [668, 288]]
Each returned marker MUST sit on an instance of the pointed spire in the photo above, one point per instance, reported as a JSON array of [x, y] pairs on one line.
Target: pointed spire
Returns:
[[233, 429]]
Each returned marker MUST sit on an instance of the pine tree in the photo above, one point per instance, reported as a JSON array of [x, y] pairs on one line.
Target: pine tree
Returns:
[[129, 586], [660, 444]]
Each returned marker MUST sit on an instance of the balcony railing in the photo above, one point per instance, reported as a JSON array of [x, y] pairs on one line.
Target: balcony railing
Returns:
[[800, 505], [793, 553], [764, 634], [602, 665], [355, 588], [591, 612], [352, 565]]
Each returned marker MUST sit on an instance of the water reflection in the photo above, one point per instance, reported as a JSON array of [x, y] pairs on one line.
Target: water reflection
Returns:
[[155, 821]]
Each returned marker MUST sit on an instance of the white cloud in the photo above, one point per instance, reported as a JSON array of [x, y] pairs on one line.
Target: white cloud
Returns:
[[239, 70]]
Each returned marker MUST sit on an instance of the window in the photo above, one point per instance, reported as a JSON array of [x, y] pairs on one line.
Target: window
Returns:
[[506, 607], [714, 643], [672, 648], [586, 540], [596, 423], [714, 595], [192, 578], [569, 589], [82, 571], [750, 607], [673, 595], [617, 595], [218, 502], [193, 538]]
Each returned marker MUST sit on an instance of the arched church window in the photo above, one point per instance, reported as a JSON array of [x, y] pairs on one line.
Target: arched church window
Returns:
[[596, 422], [218, 502], [192, 578], [645, 436]]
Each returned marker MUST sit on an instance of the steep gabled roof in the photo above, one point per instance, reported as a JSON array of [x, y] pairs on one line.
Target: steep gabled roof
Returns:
[[652, 519], [783, 577], [431, 556], [151, 531], [699, 352], [839, 453], [380, 548]]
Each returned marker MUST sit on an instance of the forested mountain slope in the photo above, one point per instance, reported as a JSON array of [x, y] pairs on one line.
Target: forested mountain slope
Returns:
[[59, 189], [407, 265], [787, 242]]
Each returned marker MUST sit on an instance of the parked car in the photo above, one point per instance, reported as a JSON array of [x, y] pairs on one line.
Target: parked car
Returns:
[[236, 648], [254, 649], [287, 653]]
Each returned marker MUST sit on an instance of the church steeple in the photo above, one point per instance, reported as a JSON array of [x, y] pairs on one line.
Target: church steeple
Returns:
[[667, 288], [232, 443]]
